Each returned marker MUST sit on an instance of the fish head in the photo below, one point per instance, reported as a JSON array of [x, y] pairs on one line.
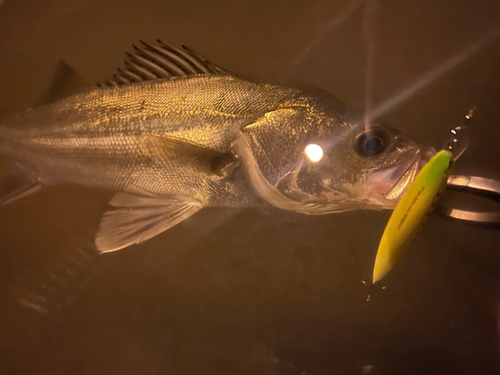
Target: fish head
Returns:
[[356, 167], [319, 165]]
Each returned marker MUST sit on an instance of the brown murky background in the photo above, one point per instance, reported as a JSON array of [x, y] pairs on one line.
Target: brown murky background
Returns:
[[256, 291]]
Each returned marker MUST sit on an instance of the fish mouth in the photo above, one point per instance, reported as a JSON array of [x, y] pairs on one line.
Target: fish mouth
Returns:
[[390, 184]]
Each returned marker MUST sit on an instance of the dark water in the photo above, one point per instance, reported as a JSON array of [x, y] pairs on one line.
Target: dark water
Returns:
[[257, 291]]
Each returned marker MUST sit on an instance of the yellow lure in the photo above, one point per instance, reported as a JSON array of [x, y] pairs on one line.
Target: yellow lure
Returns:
[[411, 212]]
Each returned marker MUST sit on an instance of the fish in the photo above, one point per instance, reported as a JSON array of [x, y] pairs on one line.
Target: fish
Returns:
[[172, 132]]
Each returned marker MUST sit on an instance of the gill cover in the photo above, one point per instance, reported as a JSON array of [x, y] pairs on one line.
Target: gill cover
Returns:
[[272, 153]]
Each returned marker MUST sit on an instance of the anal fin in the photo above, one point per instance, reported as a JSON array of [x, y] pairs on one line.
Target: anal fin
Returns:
[[140, 216]]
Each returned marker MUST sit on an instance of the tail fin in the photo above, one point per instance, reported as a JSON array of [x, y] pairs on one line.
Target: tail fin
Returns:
[[15, 182]]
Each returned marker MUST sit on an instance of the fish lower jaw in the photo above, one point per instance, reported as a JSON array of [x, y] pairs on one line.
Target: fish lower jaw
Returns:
[[385, 188], [388, 188], [380, 202]]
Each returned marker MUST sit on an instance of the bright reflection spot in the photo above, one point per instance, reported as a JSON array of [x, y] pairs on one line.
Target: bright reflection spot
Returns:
[[314, 152]]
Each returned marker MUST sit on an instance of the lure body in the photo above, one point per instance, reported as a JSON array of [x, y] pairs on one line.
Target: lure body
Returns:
[[411, 212]]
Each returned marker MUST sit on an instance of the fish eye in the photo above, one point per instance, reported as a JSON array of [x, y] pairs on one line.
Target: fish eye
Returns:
[[314, 152], [372, 142]]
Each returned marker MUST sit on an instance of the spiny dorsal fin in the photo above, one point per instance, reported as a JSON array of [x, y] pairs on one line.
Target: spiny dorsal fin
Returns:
[[65, 82], [161, 61]]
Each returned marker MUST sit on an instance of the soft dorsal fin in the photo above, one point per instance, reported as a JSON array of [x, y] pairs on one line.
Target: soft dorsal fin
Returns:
[[65, 82], [161, 61]]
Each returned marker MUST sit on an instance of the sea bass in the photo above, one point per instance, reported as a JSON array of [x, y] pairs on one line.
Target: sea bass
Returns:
[[172, 132]]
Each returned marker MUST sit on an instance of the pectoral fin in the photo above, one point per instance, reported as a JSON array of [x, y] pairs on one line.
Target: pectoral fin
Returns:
[[139, 216], [171, 153]]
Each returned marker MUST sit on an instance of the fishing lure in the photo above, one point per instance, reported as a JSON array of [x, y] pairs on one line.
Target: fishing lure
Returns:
[[416, 204]]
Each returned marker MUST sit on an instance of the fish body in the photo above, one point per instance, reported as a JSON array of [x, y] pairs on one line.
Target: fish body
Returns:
[[173, 133], [146, 136]]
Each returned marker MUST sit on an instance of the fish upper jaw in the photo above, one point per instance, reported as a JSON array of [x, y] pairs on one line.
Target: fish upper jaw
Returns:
[[386, 187]]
